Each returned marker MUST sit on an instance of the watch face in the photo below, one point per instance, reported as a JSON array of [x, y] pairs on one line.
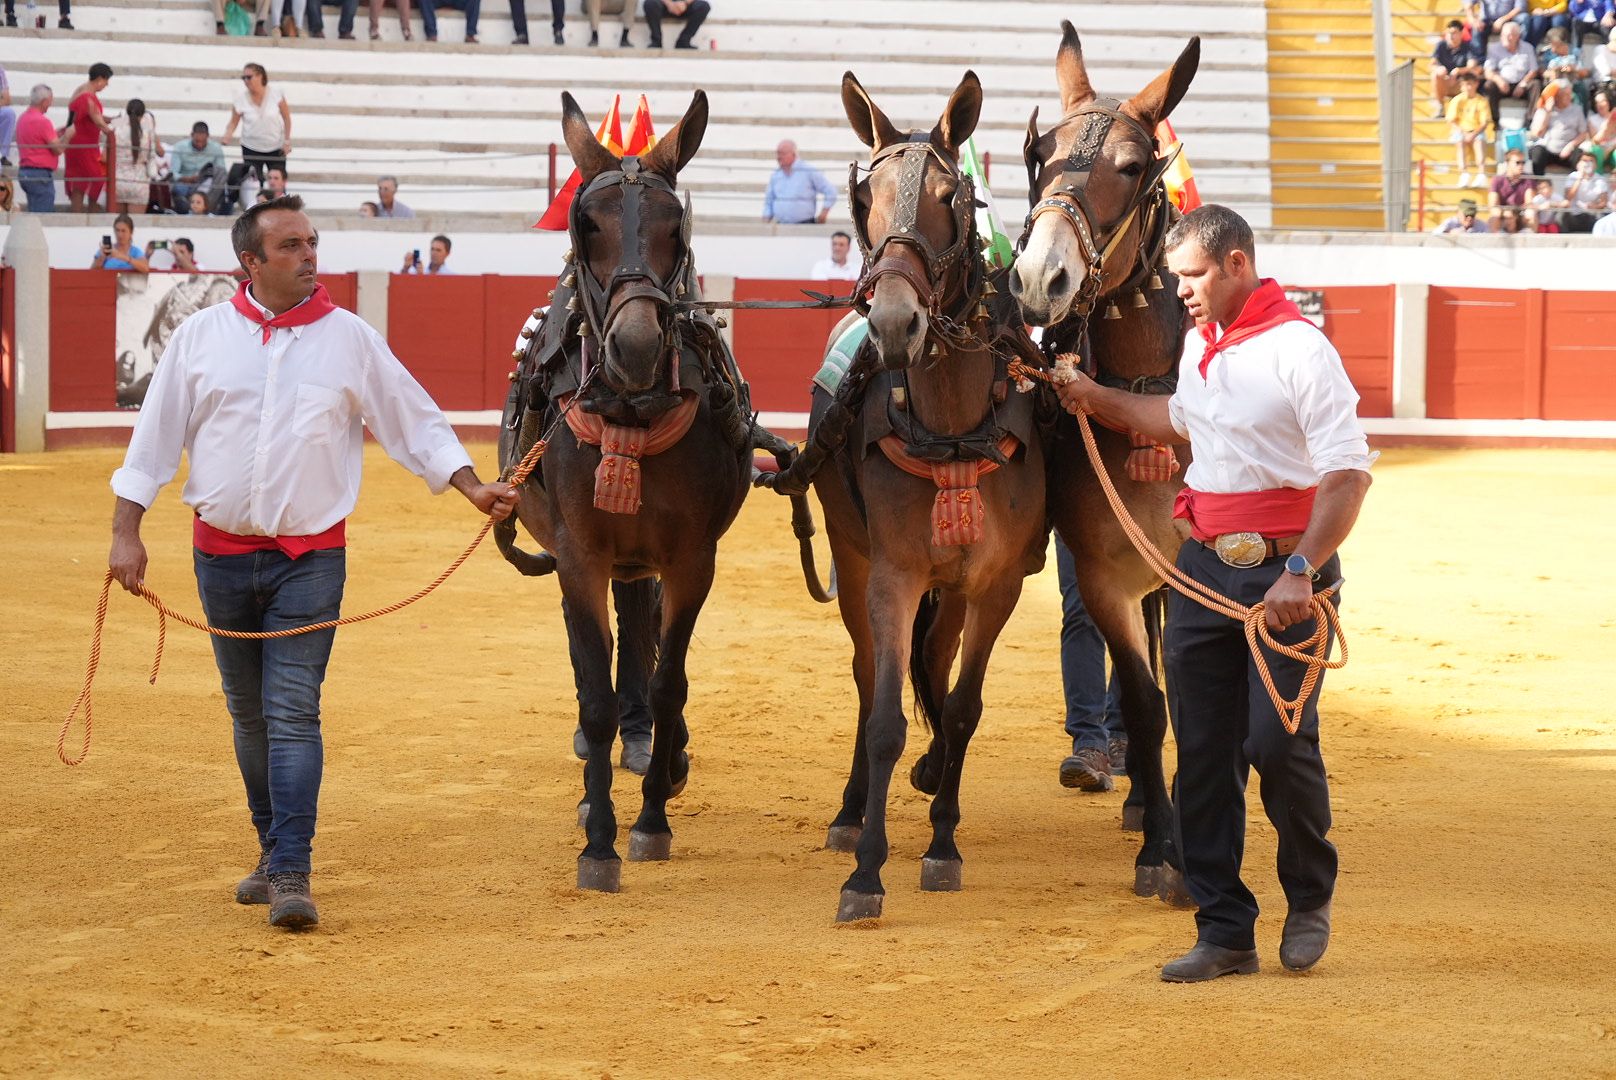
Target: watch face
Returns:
[[1297, 564]]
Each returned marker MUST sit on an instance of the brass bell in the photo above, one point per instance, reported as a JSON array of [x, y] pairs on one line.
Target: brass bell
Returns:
[[513, 376], [1155, 280], [583, 329], [516, 354], [722, 322], [569, 279], [548, 296], [982, 313], [936, 349], [989, 290], [567, 258], [679, 290], [1139, 300], [538, 313], [572, 302], [527, 332], [1112, 311]]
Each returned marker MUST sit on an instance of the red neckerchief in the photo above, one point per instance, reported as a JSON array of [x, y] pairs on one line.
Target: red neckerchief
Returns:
[[1265, 309], [315, 308]]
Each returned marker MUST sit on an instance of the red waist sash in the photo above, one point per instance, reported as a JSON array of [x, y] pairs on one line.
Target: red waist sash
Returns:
[[1277, 512], [213, 541]]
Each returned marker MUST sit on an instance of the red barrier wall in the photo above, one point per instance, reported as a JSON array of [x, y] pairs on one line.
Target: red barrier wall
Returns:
[[455, 333], [83, 326], [779, 351], [1484, 354], [1359, 322]]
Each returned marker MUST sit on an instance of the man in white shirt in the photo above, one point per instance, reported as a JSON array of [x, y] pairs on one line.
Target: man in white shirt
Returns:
[[1279, 473], [268, 396], [838, 267]]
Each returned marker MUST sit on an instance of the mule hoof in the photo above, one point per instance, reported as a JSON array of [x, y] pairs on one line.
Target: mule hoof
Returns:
[[843, 838], [921, 779], [858, 905], [1146, 880], [940, 875], [1172, 889], [600, 875], [649, 847], [1133, 818], [583, 815]]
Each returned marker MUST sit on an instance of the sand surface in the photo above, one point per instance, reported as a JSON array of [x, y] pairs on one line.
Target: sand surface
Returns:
[[1471, 745]]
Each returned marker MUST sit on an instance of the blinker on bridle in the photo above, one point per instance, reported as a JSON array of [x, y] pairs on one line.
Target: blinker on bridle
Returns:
[[1069, 195]]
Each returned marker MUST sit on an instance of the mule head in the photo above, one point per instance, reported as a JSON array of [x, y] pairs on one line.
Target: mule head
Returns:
[[1087, 176], [911, 215], [631, 243]]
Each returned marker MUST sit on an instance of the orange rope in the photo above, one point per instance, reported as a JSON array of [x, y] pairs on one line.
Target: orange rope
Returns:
[[164, 613], [1311, 652]]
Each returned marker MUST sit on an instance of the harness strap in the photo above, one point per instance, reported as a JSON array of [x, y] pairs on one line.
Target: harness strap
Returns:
[[958, 516], [617, 477]]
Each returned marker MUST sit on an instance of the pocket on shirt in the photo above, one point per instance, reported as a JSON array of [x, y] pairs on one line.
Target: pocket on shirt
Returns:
[[318, 415]]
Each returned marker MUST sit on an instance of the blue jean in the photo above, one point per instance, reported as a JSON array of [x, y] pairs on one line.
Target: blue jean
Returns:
[[1093, 715], [40, 187], [429, 14], [272, 688]]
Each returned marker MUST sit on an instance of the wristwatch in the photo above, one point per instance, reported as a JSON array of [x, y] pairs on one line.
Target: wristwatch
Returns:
[[1296, 563]]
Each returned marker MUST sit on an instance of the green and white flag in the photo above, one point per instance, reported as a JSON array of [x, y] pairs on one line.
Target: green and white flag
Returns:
[[999, 251]]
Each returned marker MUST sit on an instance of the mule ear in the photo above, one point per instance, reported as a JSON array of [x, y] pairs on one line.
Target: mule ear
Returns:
[[870, 124], [1070, 73], [1156, 102], [960, 115], [1032, 133], [680, 144], [588, 155]]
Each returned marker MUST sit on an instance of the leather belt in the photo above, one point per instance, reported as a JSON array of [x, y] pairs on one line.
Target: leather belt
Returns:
[[1248, 549]]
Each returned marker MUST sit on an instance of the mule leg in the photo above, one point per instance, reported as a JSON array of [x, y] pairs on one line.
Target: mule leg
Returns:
[[937, 656], [986, 616], [894, 600], [853, 575], [589, 635], [684, 591]]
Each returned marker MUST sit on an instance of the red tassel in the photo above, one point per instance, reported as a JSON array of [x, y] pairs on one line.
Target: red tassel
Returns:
[[1150, 461], [617, 477], [956, 512]]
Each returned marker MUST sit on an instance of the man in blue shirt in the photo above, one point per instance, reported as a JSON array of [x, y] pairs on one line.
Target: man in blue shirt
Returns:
[[1453, 55], [792, 197], [188, 160]]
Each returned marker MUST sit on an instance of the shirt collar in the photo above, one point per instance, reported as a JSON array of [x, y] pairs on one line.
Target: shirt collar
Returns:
[[297, 331]]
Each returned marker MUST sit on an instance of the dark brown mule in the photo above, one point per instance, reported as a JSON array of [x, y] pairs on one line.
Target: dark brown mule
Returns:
[[934, 329], [613, 314], [1093, 245]]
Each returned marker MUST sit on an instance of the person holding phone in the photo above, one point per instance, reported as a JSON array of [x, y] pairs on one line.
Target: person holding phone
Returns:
[[438, 253], [118, 251]]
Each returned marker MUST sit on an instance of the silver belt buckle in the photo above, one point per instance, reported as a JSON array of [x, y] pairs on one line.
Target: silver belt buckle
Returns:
[[1241, 549]]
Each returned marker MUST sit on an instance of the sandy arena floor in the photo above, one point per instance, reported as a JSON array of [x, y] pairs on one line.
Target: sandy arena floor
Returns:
[[1471, 744]]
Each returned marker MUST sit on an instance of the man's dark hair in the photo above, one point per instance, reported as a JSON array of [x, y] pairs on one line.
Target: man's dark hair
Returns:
[[280, 169], [1469, 77], [185, 242], [843, 235], [1455, 24], [200, 125], [100, 71], [248, 235], [1217, 229], [448, 245]]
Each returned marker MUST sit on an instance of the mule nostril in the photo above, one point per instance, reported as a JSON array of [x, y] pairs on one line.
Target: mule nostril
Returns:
[[1015, 284], [1058, 282], [914, 324]]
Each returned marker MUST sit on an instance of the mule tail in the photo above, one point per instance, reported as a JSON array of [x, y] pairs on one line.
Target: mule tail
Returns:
[[526, 563], [1154, 607], [639, 626], [927, 707], [802, 526]]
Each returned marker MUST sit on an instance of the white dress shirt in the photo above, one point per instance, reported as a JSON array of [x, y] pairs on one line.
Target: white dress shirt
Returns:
[[273, 430], [1274, 411], [828, 270]]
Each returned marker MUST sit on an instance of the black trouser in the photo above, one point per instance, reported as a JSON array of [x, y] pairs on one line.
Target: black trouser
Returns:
[[63, 8], [694, 16], [1494, 95], [1542, 157], [1224, 724]]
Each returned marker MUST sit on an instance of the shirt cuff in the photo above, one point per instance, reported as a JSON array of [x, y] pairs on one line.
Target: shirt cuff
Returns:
[[444, 463], [1343, 462], [135, 486]]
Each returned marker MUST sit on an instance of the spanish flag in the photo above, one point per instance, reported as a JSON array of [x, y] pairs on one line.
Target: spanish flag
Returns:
[[610, 135], [1180, 180], [641, 136]]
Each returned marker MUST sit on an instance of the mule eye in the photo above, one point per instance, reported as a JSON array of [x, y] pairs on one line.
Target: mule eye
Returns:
[[1132, 169]]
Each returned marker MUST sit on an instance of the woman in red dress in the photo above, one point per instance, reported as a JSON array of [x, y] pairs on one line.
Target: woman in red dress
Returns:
[[85, 167]]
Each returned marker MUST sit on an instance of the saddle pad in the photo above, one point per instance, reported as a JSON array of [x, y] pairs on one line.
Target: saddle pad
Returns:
[[840, 355]]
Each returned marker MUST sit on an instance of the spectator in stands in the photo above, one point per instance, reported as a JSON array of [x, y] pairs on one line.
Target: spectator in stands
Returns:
[[197, 203], [1604, 60], [137, 146], [259, 29], [1586, 196], [1509, 189], [7, 196], [1453, 56], [693, 12], [439, 255], [1559, 61], [1541, 207], [1467, 115], [1595, 17], [8, 120], [1602, 143], [1543, 16], [792, 197], [519, 19], [1558, 130], [119, 251], [1464, 221], [197, 165], [274, 184], [367, 209], [1509, 221], [265, 118], [623, 9], [1606, 226], [185, 256], [472, 8], [1489, 17], [387, 206], [838, 267], [39, 145], [63, 11], [86, 170], [1511, 69]]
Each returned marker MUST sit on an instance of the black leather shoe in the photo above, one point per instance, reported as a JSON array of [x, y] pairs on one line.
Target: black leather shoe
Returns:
[[622, 40], [290, 905], [636, 756], [1306, 936], [1208, 961], [559, 40], [594, 39]]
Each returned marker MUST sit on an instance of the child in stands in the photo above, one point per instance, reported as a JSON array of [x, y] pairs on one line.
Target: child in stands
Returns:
[[1468, 115]]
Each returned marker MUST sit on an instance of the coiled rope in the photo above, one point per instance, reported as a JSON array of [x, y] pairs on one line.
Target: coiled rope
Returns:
[[1311, 653]]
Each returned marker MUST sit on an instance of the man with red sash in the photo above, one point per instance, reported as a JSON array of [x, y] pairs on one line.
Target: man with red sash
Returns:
[[1280, 470], [267, 395]]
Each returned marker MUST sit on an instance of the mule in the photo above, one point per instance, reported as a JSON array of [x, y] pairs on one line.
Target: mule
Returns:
[[938, 486], [631, 367], [1092, 246]]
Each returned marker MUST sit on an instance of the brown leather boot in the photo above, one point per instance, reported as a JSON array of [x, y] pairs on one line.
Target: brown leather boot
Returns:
[[1208, 961], [290, 905], [1088, 769], [254, 888]]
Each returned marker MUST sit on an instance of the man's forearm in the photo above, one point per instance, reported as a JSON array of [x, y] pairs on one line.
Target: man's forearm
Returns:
[[1145, 413], [1335, 509], [126, 517]]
